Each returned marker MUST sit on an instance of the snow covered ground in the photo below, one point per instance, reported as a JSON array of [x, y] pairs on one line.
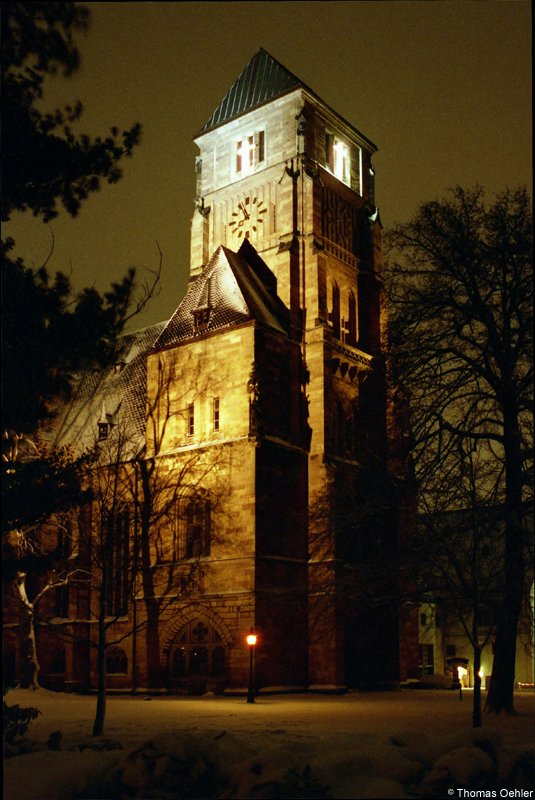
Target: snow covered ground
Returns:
[[392, 744]]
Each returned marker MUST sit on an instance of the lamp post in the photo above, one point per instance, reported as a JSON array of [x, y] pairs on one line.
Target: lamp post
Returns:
[[251, 641]]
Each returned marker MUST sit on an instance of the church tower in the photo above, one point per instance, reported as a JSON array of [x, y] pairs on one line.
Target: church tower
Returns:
[[281, 170], [261, 461]]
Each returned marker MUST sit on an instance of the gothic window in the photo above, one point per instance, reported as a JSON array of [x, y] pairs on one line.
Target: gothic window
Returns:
[[199, 652], [334, 309], [116, 562], [250, 152], [61, 601], [351, 323], [116, 661], [196, 516]]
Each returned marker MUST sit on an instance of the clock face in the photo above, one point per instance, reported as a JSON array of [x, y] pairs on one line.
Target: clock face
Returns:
[[248, 218]]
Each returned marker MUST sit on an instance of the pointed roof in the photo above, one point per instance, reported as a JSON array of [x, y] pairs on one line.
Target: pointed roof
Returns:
[[263, 79], [233, 288]]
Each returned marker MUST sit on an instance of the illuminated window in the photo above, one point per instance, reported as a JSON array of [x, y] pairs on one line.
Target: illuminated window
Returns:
[[250, 153], [215, 413], [337, 158], [191, 419]]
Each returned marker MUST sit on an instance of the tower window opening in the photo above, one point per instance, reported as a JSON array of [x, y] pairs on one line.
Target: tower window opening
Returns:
[[250, 152], [337, 158]]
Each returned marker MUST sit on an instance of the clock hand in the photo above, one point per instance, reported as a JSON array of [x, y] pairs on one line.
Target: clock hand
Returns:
[[245, 214]]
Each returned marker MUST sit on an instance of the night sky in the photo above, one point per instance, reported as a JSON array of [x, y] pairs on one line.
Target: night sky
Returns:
[[442, 88]]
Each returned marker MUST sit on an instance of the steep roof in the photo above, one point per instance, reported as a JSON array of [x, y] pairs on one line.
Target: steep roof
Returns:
[[115, 394], [232, 288], [263, 79]]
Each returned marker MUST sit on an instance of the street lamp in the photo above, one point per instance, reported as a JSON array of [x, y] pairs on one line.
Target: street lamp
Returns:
[[251, 641]]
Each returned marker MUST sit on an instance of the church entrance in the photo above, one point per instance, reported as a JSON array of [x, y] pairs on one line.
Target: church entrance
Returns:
[[197, 659]]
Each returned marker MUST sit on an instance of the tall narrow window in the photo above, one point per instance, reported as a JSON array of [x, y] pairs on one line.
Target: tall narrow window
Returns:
[[334, 313], [197, 518], [215, 413], [351, 329], [191, 419], [337, 158], [116, 562], [341, 161]]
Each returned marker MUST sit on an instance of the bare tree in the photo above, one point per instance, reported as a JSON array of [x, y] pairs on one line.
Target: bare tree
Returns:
[[141, 555], [461, 295], [460, 552]]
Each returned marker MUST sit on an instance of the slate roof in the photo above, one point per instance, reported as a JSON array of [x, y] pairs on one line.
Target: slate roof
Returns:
[[233, 288], [115, 394], [263, 79]]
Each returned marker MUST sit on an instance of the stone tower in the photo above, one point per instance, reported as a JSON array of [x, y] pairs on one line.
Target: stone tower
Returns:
[[263, 413], [281, 170]]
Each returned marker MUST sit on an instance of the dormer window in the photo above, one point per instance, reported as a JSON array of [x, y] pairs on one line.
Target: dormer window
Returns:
[[249, 153], [337, 157], [201, 318], [103, 430]]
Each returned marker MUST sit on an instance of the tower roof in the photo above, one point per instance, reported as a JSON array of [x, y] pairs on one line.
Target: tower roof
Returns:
[[263, 79]]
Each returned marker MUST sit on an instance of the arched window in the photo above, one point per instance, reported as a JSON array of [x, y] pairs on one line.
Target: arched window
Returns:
[[117, 558], [334, 309], [351, 325], [116, 661], [199, 651], [196, 516]]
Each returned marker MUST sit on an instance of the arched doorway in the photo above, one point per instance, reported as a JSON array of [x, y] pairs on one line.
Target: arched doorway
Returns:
[[197, 659]]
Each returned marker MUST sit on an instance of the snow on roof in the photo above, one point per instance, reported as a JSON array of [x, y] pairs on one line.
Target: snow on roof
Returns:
[[116, 394], [232, 288]]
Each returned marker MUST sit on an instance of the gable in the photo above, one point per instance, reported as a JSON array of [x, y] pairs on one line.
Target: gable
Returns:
[[233, 288]]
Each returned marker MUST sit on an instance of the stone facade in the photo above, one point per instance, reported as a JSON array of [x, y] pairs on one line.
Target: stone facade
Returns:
[[266, 400]]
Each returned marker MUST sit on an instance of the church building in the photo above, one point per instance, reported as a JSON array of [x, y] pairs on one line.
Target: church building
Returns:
[[255, 434]]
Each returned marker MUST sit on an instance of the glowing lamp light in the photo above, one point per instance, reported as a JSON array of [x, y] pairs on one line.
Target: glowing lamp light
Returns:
[[481, 673], [251, 641]]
